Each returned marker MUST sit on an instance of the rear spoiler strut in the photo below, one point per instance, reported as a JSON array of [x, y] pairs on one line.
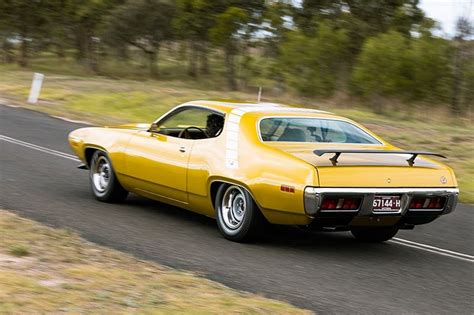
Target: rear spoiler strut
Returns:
[[410, 161]]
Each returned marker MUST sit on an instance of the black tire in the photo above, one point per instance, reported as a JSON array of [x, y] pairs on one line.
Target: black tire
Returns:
[[111, 191], [249, 227], [374, 235]]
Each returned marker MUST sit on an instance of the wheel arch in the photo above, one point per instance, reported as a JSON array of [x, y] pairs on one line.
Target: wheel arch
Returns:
[[89, 152], [215, 183]]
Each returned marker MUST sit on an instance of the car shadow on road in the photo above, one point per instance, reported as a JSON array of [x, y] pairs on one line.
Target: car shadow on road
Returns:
[[274, 236]]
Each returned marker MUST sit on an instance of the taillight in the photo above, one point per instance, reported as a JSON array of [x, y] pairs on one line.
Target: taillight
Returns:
[[427, 203], [340, 203]]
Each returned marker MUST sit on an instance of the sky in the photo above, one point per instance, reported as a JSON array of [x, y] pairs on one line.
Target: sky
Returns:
[[446, 12]]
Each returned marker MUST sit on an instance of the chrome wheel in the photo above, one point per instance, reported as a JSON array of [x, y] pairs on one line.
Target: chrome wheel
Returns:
[[233, 207], [101, 173]]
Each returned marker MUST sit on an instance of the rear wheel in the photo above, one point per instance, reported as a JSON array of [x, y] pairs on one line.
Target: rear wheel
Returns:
[[238, 217], [374, 235], [104, 184]]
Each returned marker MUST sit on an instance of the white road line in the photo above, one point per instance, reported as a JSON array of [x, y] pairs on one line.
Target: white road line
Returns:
[[72, 120], [399, 241], [430, 248], [39, 148]]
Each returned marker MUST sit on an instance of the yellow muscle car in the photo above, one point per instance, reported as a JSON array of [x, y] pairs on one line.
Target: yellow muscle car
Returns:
[[250, 164]]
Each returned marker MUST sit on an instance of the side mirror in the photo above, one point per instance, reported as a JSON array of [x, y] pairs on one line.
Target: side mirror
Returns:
[[154, 128]]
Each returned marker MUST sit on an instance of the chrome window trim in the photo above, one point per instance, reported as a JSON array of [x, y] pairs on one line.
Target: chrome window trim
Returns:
[[185, 106], [190, 105], [376, 138]]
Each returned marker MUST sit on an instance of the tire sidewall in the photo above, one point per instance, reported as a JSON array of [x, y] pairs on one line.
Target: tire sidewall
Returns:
[[106, 194]]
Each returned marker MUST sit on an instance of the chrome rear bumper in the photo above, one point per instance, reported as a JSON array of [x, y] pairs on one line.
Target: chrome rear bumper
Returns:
[[313, 197]]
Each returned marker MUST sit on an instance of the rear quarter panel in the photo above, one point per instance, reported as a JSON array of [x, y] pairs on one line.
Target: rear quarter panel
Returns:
[[263, 170]]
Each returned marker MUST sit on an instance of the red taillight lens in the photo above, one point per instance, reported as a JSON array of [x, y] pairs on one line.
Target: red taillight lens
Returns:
[[329, 203], [340, 203], [427, 202], [417, 203]]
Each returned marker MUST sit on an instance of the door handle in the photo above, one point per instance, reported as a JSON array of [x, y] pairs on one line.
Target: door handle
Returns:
[[182, 149]]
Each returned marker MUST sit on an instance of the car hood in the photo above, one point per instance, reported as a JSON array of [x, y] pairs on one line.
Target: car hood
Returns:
[[371, 170]]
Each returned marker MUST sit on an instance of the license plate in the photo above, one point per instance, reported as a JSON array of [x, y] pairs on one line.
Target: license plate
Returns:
[[387, 203]]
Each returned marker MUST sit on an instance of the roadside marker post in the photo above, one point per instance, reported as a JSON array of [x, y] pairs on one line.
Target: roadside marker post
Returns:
[[35, 88], [259, 96]]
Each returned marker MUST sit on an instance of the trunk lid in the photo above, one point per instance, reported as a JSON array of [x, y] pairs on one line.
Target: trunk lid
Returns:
[[370, 170]]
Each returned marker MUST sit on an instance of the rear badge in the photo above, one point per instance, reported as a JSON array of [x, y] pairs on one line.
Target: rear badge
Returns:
[[443, 180], [389, 180]]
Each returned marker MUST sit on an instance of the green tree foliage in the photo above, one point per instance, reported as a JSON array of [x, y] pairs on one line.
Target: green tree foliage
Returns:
[[82, 20], [462, 65], [392, 65], [361, 18], [430, 71], [235, 26], [380, 49], [144, 24], [25, 20], [384, 67], [312, 64], [193, 21], [224, 34]]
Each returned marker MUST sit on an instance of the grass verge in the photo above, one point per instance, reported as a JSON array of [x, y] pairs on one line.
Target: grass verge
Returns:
[[62, 273], [106, 101]]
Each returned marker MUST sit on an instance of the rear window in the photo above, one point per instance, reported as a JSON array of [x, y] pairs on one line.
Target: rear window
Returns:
[[313, 130]]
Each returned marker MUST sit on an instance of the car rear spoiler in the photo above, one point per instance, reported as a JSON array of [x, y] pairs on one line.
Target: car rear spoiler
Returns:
[[410, 161]]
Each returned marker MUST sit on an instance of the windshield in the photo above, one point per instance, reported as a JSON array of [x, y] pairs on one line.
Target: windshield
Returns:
[[295, 129]]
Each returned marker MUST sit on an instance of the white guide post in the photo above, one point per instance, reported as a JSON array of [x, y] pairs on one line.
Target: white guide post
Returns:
[[259, 94], [35, 88]]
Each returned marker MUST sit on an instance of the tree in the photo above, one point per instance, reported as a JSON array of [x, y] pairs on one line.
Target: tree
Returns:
[[224, 34], [193, 21], [312, 64], [25, 20], [86, 17], [5, 32], [383, 68], [144, 24], [360, 18], [461, 56], [235, 24], [275, 25], [429, 57]]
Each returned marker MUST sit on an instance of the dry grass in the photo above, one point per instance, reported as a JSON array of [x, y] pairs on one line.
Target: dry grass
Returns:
[[105, 101], [66, 274]]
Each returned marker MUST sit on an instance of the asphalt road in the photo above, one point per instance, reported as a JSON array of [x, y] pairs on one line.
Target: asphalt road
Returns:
[[325, 272]]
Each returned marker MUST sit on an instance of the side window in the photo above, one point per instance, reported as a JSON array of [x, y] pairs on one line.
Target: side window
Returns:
[[192, 123]]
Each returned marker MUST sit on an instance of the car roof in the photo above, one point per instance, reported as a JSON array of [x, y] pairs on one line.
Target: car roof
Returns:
[[262, 108]]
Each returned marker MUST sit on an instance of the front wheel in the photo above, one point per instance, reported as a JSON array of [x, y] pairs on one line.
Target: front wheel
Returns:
[[238, 217], [104, 184], [374, 235]]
